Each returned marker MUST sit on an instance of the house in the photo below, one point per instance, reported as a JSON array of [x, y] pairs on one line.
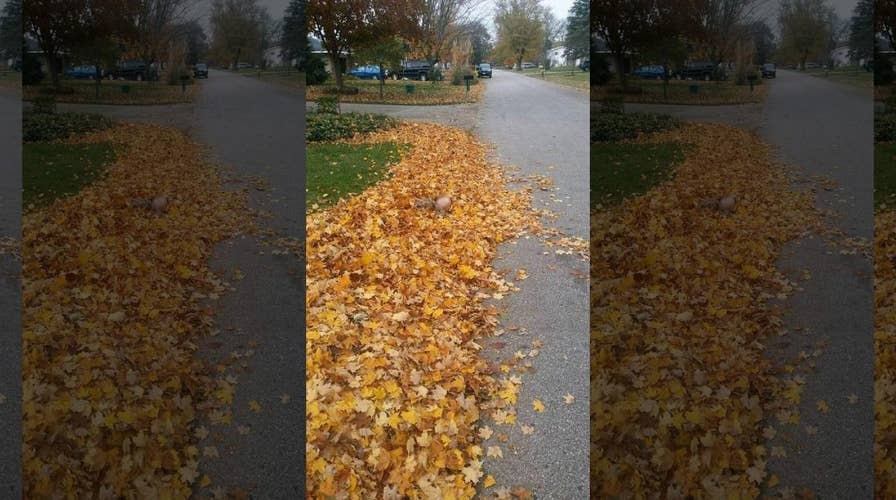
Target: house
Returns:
[[317, 50]]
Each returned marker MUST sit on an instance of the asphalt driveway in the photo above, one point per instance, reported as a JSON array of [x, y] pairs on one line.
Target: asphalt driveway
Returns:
[[11, 296], [256, 129], [542, 128]]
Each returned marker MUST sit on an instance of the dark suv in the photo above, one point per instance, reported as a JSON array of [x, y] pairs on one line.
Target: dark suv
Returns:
[[484, 70], [132, 70], [415, 70], [699, 70], [200, 71], [768, 70]]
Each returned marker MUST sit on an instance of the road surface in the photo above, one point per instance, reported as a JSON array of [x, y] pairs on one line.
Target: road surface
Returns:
[[543, 129], [826, 129], [256, 128], [11, 297]]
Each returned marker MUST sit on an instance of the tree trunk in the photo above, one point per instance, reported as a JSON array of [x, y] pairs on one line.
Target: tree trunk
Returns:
[[97, 78], [53, 66], [337, 71], [620, 68], [519, 62]]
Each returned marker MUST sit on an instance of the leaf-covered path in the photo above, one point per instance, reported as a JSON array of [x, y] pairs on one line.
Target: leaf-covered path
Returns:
[[542, 128]]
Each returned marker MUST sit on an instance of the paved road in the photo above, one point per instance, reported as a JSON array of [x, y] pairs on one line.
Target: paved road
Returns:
[[536, 126], [256, 128], [10, 296], [826, 129]]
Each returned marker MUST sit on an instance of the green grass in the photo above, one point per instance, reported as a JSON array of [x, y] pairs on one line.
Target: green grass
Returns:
[[622, 170], [54, 170], [337, 170], [571, 76], [885, 174], [856, 77]]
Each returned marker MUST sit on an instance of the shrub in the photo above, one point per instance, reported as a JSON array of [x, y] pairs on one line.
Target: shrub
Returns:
[[328, 105], [610, 127], [41, 127], [330, 127], [885, 127], [600, 71], [315, 71]]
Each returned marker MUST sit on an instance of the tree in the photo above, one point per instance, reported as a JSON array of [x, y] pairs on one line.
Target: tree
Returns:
[[386, 53], [293, 36], [861, 32], [344, 26], [885, 19], [156, 25], [196, 40], [763, 40], [438, 23], [53, 23], [552, 29], [520, 29], [804, 28], [11, 29], [624, 25], [237, 30], [720, 24], [578, 30], [481, 41]]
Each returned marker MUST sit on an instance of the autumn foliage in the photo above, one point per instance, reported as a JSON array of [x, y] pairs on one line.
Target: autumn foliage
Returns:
[[884, 354], [396, 305], [114, 302], [682, 397]]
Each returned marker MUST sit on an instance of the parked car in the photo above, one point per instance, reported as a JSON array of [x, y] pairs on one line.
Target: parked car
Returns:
[[653, 71], [698, 70], [415, 70], [243, 65], [768, 70], [132, 70], [585, 65], [200, 71], [368, 72], [81, 72], [484, 70], [528, 65]]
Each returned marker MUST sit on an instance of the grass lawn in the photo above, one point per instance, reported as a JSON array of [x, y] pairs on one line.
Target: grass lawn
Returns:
[[679, 92], [856, 77], [885, 174], [394, 92], [621, 170], [113, 92], [11, 79], [288, 77], [571, 77], [54, 170], [336, 170]]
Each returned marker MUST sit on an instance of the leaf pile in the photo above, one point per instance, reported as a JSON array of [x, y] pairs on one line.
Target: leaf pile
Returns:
[[111, 315], [395, 307], [680, 307], [885, 354]]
